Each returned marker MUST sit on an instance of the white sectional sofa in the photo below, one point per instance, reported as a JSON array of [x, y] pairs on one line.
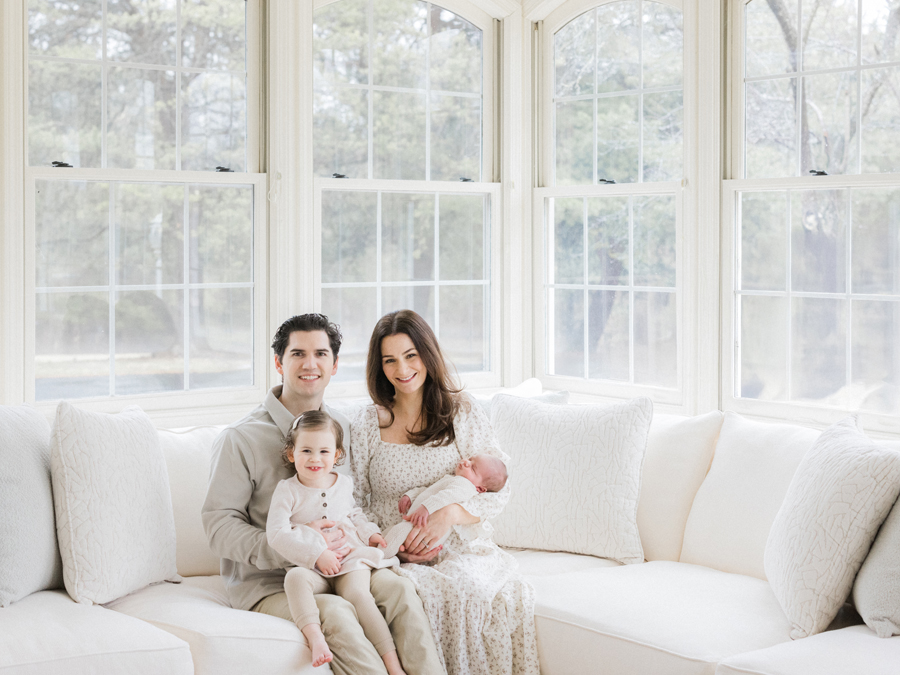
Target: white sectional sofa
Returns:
[[701, 604]]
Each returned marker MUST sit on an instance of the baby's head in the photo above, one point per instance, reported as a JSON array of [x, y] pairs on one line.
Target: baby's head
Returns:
[[486, 473], [309, 423]]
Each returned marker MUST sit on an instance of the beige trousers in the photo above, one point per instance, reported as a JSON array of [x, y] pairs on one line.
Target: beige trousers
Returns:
[[353, 654], [301, 585]]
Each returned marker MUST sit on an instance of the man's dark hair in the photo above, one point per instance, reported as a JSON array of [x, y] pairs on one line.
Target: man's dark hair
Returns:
[[307, 323]]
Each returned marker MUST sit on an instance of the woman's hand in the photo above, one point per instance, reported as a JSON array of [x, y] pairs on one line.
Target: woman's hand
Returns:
[[423, 539]]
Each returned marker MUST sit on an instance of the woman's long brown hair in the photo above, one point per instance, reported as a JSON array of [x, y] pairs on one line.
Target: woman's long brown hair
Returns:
[[440, 399]]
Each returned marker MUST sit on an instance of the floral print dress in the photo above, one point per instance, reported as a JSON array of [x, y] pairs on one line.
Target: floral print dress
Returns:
[[481, 610]]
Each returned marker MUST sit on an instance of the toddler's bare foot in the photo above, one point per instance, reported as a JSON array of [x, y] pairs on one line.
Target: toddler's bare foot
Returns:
[[321, 654], [392, 663]]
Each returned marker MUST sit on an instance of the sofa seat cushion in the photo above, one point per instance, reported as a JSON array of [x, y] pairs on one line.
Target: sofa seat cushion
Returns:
[[223, 640], [850, 650], [49, 633], [659, 617]]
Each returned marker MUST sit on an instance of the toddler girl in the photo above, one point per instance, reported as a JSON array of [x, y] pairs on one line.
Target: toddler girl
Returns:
[[313, 446]]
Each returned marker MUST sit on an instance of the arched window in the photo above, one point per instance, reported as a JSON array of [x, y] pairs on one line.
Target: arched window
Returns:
[[403, 160]]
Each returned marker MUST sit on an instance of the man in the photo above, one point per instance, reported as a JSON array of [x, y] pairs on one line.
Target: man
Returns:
[[247, 466]]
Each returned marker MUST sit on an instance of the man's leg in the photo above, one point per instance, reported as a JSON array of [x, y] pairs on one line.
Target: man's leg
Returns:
[[397, 599], [353, 653]]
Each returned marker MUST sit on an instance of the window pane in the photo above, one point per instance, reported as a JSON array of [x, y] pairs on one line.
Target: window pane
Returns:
[[355, 311], [462, 232], [568, 241], [881, 122], [763, 240], [141, 119], [764, 348], [213, 34], [573, 48], [568, 332], [71, 233], [348, 236], [462, 327], [655, 344], [771, 44], [618, 47], [879, 45], [150, 234], [771, 128], [141, 31], [420, 299], [607, 245], [654, 241], [663, 45], [876, 241], [221, 338], [829, 103], [830, 31], [340, 122], [401, 43], [149, 342], [407, 237], [818, 240], [455, 57], [455, 137], [399, 151], [71, 345], [574, 125], [876, 354], [608, 335], [221, 221], [618, 138], [663, 136], [213, 121], [340, 39], [64, 113], [72, 30], [818, 352]]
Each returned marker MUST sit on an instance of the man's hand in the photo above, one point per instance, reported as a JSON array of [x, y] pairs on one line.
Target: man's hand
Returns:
[[404, 504], [377, 540], [427, 557], [328, 563], [419, 517], [335, 539]]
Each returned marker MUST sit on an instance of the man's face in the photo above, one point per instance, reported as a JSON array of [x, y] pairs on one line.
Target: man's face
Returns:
[[308, 363]]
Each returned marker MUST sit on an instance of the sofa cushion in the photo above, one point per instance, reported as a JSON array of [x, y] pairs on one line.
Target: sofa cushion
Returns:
[[48, 633], [735, 506], [876, 590], [679, 452], [577, 476], [113, 508], [223, 640], [669, 617], [188, 453], [29, 555], [547, 563], [840, 495], [840, 652]]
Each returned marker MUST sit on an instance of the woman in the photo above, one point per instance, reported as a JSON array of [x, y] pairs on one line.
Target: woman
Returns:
[[481, 611]]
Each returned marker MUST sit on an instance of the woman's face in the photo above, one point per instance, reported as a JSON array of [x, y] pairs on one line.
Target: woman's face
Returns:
[[401, 363]]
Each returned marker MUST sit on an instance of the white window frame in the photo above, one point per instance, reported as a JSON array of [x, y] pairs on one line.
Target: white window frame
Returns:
[[689, 396], [812, 414], [17, 182]]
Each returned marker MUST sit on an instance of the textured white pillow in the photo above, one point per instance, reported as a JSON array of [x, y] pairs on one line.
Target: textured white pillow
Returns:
[[576, 476], [839, 496], [876, 591], [113, 509], [733, 510], [29, 557]]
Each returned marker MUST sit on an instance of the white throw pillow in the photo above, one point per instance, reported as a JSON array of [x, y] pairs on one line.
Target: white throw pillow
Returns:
[[876, 591], [840, 495], [113, 508], [576, 476], [29, 557], [734, 508]]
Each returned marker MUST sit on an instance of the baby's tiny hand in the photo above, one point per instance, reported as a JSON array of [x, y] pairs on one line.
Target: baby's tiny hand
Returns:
[[419, 517], [404, 504], [377, 540]]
